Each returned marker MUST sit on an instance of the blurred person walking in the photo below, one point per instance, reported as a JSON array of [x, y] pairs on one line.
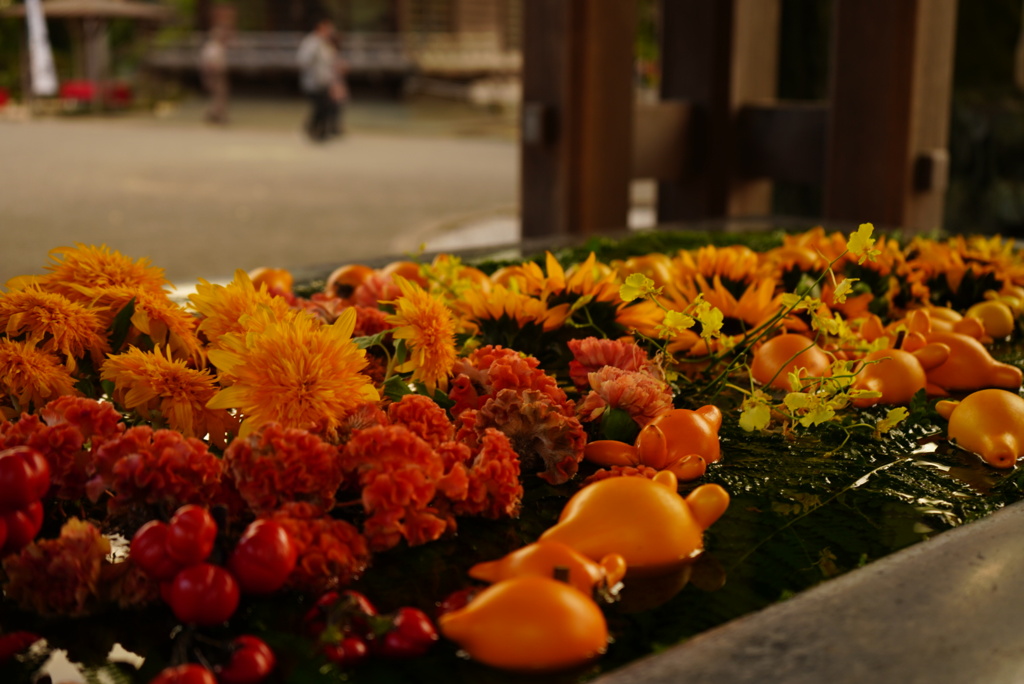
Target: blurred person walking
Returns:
[[213, 68], [338, 91], [318, 69]]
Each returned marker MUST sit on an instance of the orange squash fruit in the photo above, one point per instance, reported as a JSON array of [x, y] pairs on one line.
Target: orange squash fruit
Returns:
[[989, 423], [528, 624], [543, 557], [645, 521], [788, 353]]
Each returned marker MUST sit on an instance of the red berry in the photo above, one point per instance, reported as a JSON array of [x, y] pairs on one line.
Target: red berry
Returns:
[[348, 652], [263, 558], [189, 673], [13, 643], [149, 551], [22, 526], [24, 477], [251, 661], [411, 635], [191, 534], [203, 594]]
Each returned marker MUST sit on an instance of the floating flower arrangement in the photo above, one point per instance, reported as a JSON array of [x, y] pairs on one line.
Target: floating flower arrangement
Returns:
[[550, 466]]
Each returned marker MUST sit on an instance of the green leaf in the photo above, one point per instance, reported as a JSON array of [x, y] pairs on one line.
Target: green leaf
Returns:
[[396, 387], [121, 325], [367, 341]]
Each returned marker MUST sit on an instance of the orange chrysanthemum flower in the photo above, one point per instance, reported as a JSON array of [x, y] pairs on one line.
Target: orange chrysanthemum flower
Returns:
[[146, 382], [222, 308], [54, 323], [78, 270], [331, 552], [276, 465], [59, 576], [427, 327], [299, 373], [31, 377]]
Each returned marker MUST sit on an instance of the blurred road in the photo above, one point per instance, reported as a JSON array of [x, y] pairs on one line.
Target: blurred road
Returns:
[[201, 201]]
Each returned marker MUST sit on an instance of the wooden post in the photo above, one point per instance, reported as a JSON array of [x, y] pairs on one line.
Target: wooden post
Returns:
[[577, 115], [719, 56], [891, 87]]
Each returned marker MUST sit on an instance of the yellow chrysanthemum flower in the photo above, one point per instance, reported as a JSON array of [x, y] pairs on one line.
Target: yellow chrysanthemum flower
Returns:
[[31, 377], [300, 372], [166, 323], [78, 270], [153, 381], [427, 327], [54, 323], [223, 307]]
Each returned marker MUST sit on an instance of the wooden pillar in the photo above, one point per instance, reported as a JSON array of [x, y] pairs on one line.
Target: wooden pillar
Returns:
[[576, 143], [718, 55], [890, 105]]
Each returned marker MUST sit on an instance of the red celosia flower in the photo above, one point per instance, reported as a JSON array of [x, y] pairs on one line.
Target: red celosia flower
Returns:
[[490, 369], [365, 416], [640, 395], [128, 585], [275, 465], [423, 417], [494, 487], [159, 468], [621, 471], [59, 576], [331, 552], [398, 473], [547, 441], [67, 431], [592, 353]]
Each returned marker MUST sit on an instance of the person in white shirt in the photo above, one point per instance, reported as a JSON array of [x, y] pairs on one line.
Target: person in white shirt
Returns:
[[318, 58]]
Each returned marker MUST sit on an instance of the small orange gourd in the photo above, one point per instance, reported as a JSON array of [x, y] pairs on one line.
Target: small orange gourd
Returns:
[[989, 423], [528, 624], [646, 521], [896, 374], [544, 557], [680, 440], [783, 354]]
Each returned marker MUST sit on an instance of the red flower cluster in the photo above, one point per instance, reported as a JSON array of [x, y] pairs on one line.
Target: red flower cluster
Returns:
[[592, 354], [398, 473], [414, 479], [69, 433], [275, 465], [621, 471], [423, 417], [59, 576], [548, 441], [158, 468], [493, 487], [331, 552], [490, 369]]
